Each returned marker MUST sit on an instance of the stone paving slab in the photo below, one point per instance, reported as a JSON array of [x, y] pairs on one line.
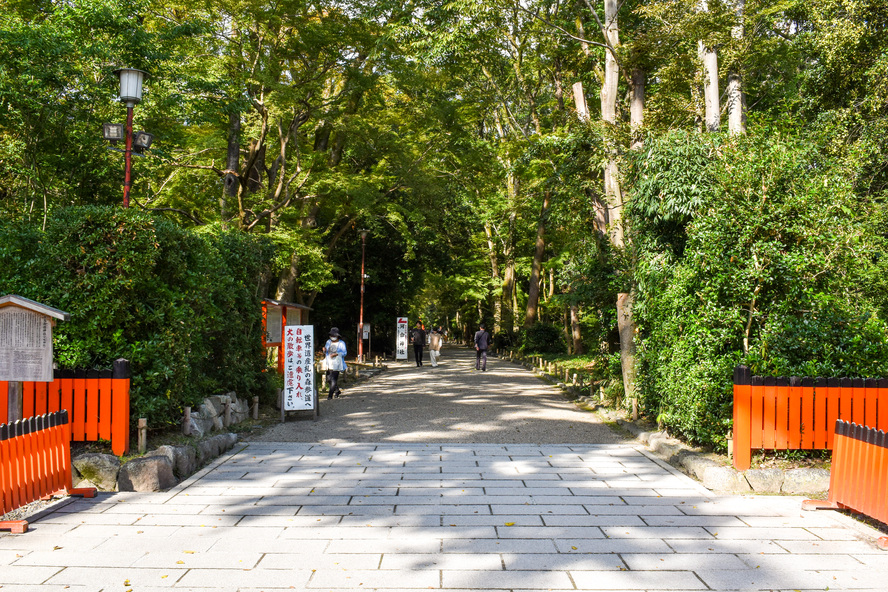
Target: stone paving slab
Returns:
[[432, 534]]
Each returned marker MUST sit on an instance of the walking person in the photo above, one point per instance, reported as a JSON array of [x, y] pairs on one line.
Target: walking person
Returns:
[[435, 342], [418, 336], [334, 361], [482, 342]]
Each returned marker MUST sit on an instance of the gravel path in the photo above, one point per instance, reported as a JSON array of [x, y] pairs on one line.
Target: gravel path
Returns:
[[451, 403]]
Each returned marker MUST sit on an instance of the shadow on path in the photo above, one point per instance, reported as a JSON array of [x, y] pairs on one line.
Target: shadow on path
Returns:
[[451, 403]]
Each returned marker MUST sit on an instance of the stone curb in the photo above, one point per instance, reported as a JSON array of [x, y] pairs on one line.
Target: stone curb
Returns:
[[714, 475], [157, 470]]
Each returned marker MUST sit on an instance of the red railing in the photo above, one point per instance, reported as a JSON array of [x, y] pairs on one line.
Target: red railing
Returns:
[[859, 476], [35, 463], [98, 402], [800, 413]]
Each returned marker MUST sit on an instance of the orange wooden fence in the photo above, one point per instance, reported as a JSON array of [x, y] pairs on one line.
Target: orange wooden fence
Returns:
[[859, 476], [98, 402], [35, 463], [800, 413]]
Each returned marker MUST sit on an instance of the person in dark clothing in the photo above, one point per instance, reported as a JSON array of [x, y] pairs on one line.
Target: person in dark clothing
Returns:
[[482, 342], [418, 336]]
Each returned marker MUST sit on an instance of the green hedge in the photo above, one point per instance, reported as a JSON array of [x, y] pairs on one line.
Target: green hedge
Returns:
[[774, 260], [183, 306]]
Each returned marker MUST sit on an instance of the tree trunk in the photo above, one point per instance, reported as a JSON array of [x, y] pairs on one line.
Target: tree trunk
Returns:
[[709, 58], [636, 106], [580, 102], [613, 193], [736, 100], [736, 106], [495, 273], [565, 329], [576, 337], [231, 183], [287, 284], [609, 90], [626, 327], [533, 289]]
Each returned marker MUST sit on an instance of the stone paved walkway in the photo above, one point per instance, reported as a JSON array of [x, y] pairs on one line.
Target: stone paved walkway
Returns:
[[404, 516]]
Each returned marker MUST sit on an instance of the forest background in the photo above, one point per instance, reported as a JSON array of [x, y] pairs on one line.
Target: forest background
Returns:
[[661, 188]]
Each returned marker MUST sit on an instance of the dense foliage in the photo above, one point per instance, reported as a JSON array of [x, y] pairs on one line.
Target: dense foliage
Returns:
[[182, 306]]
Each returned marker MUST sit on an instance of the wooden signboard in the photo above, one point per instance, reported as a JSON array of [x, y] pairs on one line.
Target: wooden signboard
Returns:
[[26, 339]]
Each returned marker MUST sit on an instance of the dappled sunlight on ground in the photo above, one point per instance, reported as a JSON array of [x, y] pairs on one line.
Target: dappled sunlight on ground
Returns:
[[450, 403]]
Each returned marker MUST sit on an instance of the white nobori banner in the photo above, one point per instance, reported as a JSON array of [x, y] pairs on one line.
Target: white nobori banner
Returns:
[[402, 339], [299, 379]]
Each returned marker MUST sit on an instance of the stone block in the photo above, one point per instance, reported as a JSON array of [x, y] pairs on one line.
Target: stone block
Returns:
[[150, 473], [695, 465], [99, 469], [765, 480], [725, 480], [183, 459], [806, 481], [207, 450]]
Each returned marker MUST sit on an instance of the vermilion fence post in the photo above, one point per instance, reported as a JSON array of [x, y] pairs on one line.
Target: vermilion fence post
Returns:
[[769, 413], [794, 435], [28, 400], [756, 415], [105, 404], [65, 380], [781, 427], [871, 401], [92, 405], [742, 419], [120, 407], [858, 400], [78, 409], [826, 412]]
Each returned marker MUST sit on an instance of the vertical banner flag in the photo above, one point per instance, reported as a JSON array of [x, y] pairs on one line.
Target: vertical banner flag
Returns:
[[402, 338], [299, 383]]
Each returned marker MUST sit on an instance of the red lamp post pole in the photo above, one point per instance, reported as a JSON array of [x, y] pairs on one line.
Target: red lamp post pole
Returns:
[[128, 156], [361, 320]]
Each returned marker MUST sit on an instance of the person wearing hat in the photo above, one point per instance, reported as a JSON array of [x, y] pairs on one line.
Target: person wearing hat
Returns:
[[334, 361], [482, 342]]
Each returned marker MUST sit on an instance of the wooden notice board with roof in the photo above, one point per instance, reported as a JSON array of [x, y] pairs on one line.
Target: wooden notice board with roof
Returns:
[[25, 345], [276, 317]]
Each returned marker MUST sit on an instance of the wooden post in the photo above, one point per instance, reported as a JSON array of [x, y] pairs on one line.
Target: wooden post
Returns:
[[186, 422], [574, 379], [255, 407], [226, 417], [15, 402], [143, 435], [634, 408]]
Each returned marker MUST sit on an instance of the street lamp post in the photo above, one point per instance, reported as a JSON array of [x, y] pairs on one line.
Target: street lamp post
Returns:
[[131, 94], [361, 319]]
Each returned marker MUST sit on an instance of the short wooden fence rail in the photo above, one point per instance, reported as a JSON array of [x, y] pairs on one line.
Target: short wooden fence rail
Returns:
[[859, 475], [35, 463], [793, 413], [98, 402]]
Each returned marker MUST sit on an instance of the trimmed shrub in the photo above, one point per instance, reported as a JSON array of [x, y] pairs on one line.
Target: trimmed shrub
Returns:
[[182, 306]]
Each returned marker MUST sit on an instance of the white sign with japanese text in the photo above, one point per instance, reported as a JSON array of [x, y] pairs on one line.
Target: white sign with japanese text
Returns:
[[299, 379], [402, 339], [25, 346]]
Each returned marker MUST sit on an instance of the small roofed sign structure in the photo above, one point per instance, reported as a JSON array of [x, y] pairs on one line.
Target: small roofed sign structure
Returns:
[[26, 339], [276, 316]]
